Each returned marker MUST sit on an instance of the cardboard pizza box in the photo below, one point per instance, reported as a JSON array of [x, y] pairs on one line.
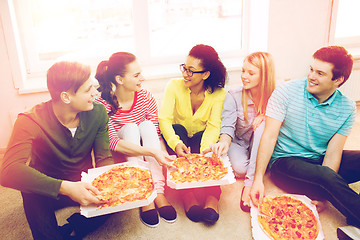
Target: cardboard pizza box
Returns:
[[229, 178], [259, 234], [92, 210]]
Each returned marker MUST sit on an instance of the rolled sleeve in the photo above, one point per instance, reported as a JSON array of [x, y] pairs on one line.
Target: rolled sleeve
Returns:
[[229, 116]]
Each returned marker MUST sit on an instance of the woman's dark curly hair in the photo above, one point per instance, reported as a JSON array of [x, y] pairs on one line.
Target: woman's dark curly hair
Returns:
[[211, 62], [106, 73]]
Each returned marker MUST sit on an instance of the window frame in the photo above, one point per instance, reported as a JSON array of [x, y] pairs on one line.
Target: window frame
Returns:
[[348, 42], [29, 72]]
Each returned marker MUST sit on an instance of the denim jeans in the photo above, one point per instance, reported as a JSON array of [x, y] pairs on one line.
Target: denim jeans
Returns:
[[194, 144], [307, 176], [40, 214]]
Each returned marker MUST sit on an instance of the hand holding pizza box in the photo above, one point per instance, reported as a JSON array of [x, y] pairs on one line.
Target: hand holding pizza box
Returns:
[[122, 186], [195, 170], [285, 217]]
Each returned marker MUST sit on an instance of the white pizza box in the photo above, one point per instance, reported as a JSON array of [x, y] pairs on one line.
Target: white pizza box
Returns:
[[229, 178], [259, 234], [92, 211]]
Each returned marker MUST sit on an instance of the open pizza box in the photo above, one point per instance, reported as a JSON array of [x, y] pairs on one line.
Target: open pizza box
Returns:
[[92, 210], [229, 178], [259, 234]]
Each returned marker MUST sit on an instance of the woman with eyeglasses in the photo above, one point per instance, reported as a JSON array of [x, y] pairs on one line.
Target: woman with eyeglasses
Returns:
[[133, 119], [190, 118], [243, 119]]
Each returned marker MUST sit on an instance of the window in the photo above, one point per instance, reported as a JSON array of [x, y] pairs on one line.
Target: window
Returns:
[[156, 31], [187, 22], [344, 29]]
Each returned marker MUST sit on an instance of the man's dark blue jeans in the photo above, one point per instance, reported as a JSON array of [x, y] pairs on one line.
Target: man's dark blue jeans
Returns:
[[307, 176], [40, 214]]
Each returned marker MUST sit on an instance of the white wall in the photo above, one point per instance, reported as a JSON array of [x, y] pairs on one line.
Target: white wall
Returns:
[[296, 30]]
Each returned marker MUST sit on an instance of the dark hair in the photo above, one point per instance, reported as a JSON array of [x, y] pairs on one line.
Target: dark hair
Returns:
[[211, 62], [64, 76], [106, 73], [339, 57]]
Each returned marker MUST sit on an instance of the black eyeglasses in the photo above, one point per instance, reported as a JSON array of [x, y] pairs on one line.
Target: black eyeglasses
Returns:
[[189, 72]]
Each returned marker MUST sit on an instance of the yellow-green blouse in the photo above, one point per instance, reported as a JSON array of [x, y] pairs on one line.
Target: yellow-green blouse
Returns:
[[176, 109]]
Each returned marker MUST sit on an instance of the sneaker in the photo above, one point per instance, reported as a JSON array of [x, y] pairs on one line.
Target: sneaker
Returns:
[[348, 233], [150, 218], [168, 213]]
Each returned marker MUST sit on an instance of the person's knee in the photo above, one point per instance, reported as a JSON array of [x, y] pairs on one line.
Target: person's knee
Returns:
[[129, 131], [147, 129], [239, 167], [147, 125], [131, 127], [149, 135], [239, 160], [178, 128], [181, 131], [327, 177], [240, 172], [294, 168]]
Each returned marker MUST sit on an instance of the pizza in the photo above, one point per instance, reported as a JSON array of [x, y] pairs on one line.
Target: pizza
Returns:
[[285, 217], [197, 168], [123, 184]]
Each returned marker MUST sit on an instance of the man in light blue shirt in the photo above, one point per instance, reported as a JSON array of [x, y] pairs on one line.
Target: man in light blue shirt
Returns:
[[307, 123]]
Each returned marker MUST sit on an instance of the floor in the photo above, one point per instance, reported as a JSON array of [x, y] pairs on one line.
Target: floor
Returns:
[[233, 223]]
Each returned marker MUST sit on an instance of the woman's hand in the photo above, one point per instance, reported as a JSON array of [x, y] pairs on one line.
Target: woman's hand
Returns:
[[258, 120], [246, 196], [181, 149], [162, 157], [218, 149], [257, 192], [221, 147]]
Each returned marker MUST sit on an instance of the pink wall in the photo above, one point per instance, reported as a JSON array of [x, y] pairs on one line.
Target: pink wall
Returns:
[[11, 102]]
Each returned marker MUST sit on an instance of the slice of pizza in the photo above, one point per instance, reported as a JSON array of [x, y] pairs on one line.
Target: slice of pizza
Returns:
[[270, 226], [276, 229]]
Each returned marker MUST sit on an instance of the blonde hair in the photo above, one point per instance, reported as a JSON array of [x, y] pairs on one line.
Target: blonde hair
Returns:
[[264, 61]]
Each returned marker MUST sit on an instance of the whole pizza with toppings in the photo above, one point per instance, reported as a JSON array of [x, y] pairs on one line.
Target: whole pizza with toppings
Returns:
[[123, 184], [285, 217], [197, 168]]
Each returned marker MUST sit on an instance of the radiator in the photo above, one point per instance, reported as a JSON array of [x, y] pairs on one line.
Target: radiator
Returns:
[[352, 86]]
